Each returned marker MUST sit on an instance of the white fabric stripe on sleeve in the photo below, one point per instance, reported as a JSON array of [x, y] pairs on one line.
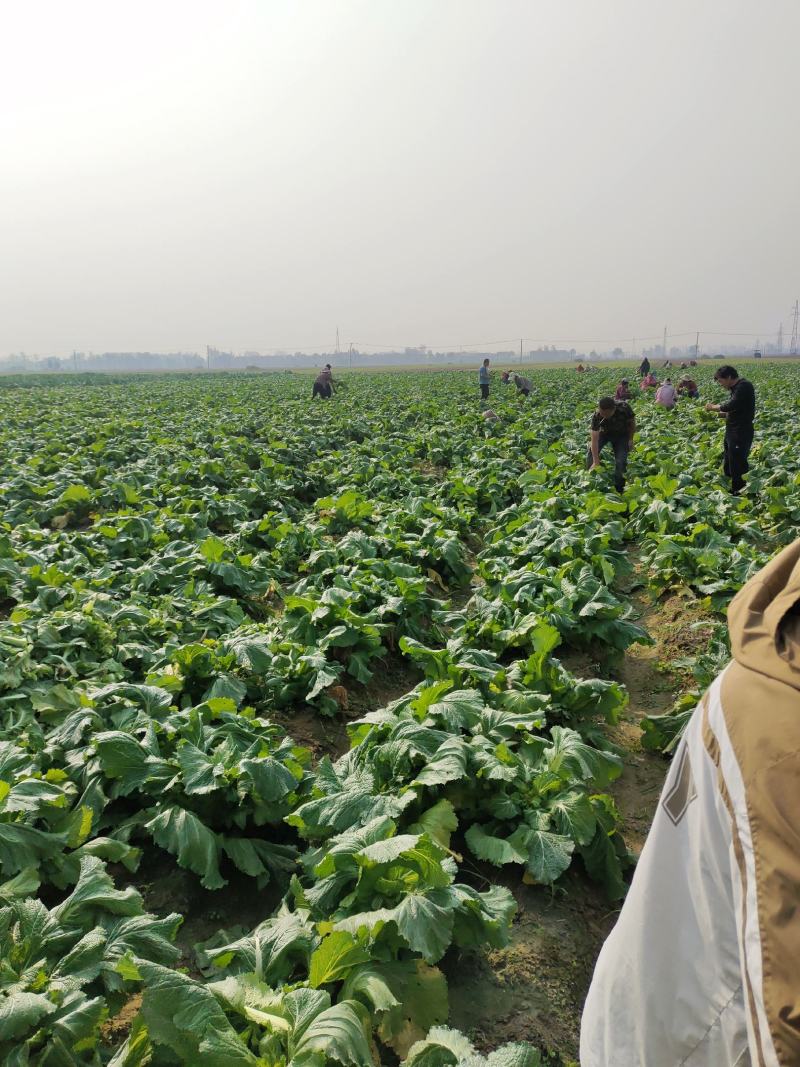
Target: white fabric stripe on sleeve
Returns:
[[753, 960]]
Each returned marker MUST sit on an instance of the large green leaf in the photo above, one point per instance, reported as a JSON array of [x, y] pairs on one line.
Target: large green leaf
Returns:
[[195, 846], [186, 1017], [338, 953]]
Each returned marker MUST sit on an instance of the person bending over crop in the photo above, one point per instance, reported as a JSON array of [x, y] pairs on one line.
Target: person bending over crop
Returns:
[[523, 385], [703, 966], [738, 413], [623, 391], [324, 386], [688, 387], [666, 395], [613, 423]]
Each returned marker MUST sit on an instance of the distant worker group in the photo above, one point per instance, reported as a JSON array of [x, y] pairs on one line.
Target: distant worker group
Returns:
[[614, 421]]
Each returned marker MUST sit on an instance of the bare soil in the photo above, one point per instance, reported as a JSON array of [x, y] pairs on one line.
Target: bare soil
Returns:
[[326, 735], [115, 1030]]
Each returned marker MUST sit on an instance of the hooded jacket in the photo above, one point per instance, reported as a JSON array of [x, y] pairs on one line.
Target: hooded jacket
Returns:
[[703, 966]]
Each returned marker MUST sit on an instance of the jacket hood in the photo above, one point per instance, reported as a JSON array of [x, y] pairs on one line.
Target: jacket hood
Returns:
[[764, 619]]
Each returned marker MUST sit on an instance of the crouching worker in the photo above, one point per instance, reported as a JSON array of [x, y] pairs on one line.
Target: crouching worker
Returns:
[[324, 385], [613, 423], [703, 966]]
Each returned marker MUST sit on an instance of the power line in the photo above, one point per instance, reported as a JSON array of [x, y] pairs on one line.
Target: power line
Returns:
[[512, 342]]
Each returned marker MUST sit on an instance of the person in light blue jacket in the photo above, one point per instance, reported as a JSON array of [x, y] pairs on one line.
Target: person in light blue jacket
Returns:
[[483, 379]]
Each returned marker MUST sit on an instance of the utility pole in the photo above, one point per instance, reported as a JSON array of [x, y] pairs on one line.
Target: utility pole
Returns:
[[351, 352], [337, 340], [665, 342], [779, 341], [697, 346], [208, 357], [75, 360], [796, 315]]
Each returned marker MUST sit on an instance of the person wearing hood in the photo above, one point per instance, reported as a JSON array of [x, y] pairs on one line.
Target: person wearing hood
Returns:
[[703, 965]]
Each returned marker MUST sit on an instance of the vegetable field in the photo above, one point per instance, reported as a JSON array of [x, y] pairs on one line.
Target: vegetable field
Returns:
[[304, 708]]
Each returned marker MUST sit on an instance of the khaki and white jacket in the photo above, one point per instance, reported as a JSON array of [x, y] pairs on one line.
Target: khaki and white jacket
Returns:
[[703, 966]]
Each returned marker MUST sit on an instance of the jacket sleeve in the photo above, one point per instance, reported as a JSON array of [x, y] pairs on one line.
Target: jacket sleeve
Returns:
[[772, 969], [734, 404]]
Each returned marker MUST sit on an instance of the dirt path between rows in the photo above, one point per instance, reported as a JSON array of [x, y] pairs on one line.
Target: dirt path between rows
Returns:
[[534, 989]]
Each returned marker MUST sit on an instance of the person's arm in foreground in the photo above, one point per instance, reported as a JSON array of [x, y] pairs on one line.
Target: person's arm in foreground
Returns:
[[595, 446]]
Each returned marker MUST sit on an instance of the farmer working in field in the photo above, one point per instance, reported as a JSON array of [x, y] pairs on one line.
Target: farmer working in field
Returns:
[[688, 387], [703, 966], [613, 423], [483, 379], [738, 413], [666, 395], [324, 386], [523, 385]]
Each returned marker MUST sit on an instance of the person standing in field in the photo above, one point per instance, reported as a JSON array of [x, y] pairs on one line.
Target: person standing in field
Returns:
[[739, 413], [613, 423], [703, 965], [644, 367], [483, 379], [324, 385], [666, 395]]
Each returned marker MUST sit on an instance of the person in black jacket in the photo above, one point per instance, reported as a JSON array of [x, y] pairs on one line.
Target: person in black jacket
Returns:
[[738, 413], [613, 423]]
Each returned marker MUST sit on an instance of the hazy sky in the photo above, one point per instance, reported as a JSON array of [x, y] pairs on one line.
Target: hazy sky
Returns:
[[252, 173]]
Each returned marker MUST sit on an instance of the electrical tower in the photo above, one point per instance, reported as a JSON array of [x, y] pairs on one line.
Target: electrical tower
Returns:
[[795, 315]]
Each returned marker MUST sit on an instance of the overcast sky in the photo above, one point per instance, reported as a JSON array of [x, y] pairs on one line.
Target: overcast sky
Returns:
[[253, 173]]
